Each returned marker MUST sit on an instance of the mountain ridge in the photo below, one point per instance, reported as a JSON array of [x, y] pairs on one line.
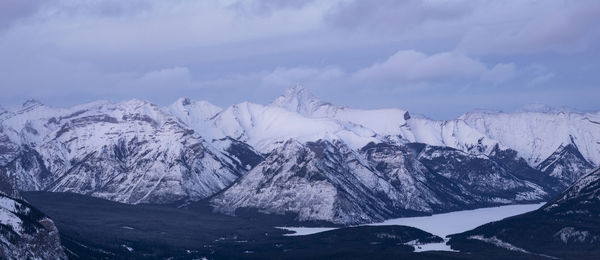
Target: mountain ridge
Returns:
[[137, 152]]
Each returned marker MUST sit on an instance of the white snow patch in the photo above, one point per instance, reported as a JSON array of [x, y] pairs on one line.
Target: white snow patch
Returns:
[[302, 231], [570, 234], [499, 243], [502, 244], [442, 246], [127, 247]]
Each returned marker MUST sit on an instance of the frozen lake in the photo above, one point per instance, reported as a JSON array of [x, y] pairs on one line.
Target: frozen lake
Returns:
[[442, 224], [460, 221]]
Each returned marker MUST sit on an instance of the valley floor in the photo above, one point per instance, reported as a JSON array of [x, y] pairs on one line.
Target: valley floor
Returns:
[[93, 228]]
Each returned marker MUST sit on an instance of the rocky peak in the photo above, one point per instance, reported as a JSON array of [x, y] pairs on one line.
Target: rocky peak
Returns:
[[185, 101], [299, 99], [31, 103], [566, 163]]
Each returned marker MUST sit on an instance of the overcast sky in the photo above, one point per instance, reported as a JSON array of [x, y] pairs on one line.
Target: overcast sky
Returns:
[[437, 58]]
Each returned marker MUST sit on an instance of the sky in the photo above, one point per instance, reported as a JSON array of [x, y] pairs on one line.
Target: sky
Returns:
[[436, 58]]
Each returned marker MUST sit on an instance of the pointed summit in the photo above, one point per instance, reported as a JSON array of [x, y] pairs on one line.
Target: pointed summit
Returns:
[[193, 112], [31, 103], [566, 164], [299, 99], [184, 101]]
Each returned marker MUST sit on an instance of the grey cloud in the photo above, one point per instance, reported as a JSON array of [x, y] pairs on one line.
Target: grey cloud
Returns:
[[476, 27], [541, 79], [406, 67], [109, 8], [533, 26], [410, 65], [174, 77], [267, 7], [14, 10], [66, 51], [538, 75], [305, 75], [394, 15], [417, 69], [500, 73]]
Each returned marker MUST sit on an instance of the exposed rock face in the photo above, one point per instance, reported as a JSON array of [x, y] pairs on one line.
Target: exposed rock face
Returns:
[[128, 152], [566, 164], [25, 232], [318, 181], [329, 181], [582, 199]]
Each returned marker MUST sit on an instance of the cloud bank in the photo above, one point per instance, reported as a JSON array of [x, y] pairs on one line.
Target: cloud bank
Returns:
[[354, 52]]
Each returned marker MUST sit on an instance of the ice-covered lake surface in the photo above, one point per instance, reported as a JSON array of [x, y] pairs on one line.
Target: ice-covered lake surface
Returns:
[[460, 221], [441, 224]]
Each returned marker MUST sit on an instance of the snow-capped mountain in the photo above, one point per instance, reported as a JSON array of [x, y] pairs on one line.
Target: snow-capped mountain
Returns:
[[537, 135], [399, 164], [329, 181], [565, 164], [382, 122], [195, 114], [316, 180], [128, 152]]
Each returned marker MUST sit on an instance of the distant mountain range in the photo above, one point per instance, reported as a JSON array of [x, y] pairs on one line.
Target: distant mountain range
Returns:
[[297, 155]]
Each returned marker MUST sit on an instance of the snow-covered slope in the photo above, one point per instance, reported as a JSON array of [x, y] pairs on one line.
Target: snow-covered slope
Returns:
[[317, 180], [582, 198], [8, 149], [329, 181], [566, 164], [25, 232], [536, 135], [300, 115], [128, 152], [267, 127], [193, 113], [381, 121]]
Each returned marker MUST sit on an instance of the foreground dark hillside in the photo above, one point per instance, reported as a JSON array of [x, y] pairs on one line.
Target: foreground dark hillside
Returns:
[[92, 227], [567, 227], [25, 232]]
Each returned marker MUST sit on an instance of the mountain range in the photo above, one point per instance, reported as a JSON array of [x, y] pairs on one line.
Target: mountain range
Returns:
[[298, 155]]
